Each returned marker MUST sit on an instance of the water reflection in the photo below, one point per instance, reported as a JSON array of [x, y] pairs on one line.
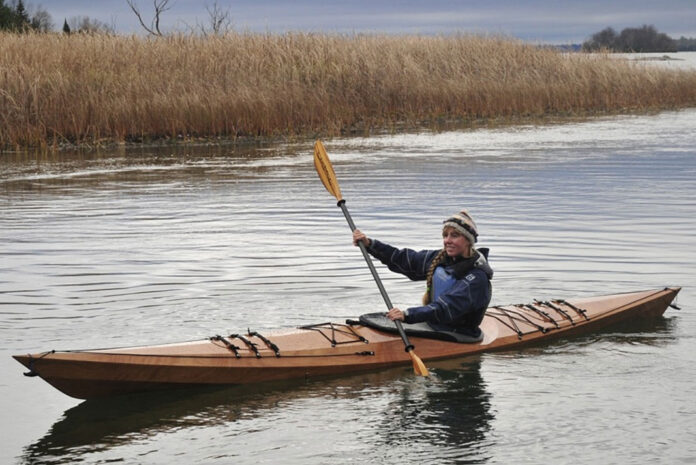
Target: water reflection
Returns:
[[449, 410], [452, 415], [97, 425], [656, 332], [170, 165]]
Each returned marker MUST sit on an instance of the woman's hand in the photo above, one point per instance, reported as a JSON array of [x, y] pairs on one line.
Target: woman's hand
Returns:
[[359, 236], [396, 314]]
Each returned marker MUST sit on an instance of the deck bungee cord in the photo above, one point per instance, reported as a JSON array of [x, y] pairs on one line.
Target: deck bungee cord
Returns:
[[320, 327], [248, 343], [513, 316], [557, 309], [266, 341], [580, 311], [521, 313], [233, 348], [543, 314]]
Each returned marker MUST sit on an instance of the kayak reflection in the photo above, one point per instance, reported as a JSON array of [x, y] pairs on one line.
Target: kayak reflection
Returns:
[[452, 414], [455, 392]]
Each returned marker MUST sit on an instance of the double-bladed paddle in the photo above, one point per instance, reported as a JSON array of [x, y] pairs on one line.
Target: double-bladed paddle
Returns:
[[328, 178]]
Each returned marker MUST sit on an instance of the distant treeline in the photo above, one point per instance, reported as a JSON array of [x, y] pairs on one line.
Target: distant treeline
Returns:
[[643, 39], [17, 18], [686, 44]]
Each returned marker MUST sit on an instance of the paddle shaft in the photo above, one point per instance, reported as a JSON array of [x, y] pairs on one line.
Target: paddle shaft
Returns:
[[363, 249]]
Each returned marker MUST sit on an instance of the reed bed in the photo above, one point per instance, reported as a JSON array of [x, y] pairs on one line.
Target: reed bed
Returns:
[[96, 89]]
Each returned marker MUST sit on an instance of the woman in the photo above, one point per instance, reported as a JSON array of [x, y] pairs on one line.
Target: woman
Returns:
[[458, 277]]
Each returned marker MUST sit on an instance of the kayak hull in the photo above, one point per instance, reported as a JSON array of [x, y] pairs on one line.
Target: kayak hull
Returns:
[[322, 350]]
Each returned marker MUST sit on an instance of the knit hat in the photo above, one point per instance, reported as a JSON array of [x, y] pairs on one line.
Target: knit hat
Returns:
[[463, 223]]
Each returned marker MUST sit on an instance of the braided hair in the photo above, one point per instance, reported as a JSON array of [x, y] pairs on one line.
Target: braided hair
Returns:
[[439, 258]]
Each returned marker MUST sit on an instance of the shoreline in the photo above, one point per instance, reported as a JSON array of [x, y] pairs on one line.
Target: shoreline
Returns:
[[395, 128], [87, 92]]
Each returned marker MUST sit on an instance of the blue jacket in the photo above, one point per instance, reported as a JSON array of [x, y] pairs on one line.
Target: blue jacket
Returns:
[[462, 306]]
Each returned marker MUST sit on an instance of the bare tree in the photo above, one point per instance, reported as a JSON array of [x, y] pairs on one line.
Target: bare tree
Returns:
[[41, 20], [220, 21], [88, 25], [160, 7]]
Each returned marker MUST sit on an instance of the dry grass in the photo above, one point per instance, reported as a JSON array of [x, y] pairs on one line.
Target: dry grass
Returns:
[[88, 89]]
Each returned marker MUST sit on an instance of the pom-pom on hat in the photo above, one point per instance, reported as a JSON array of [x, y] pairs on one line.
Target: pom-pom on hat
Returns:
[[463, 223]]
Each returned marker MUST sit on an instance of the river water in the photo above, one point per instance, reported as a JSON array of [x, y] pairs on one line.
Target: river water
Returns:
[[671, 60], [145, 246]]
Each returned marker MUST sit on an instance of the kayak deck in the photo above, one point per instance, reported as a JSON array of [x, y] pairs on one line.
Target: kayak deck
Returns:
[[322, 349]]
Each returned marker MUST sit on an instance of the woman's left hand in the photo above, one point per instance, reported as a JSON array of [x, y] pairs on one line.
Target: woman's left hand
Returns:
[[359, 236]]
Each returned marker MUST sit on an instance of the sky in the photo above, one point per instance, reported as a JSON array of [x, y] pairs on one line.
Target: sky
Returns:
[[541, 21]]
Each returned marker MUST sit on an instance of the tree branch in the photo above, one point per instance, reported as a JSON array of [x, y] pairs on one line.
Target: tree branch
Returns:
[[160, 7]]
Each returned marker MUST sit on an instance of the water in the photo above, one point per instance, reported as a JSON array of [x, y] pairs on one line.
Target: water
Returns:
[[677, 60], [153, 246]]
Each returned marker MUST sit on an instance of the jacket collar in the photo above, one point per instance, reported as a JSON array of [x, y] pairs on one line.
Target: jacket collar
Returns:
[[461, 266]]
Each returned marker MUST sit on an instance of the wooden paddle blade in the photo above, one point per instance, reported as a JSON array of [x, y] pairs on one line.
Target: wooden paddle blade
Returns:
[[419, 367], [325, 170]]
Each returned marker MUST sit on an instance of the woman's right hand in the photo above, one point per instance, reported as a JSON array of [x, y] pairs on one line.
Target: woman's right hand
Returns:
[[396, 314], [359, 236]]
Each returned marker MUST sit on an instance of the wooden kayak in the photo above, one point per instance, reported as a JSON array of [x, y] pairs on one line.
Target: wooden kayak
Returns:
[[323, 349]]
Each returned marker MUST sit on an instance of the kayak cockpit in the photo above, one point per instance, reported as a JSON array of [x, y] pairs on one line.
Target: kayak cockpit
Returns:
[[379, 321]]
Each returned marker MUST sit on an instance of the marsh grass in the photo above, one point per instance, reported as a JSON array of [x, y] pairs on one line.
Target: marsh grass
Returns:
[[92, 89]]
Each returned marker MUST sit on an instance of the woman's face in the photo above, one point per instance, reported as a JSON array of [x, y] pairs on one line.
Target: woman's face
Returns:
[[455, 243]]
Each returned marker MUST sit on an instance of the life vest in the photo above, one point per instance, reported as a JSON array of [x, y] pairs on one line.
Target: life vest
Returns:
[[442, 282]]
